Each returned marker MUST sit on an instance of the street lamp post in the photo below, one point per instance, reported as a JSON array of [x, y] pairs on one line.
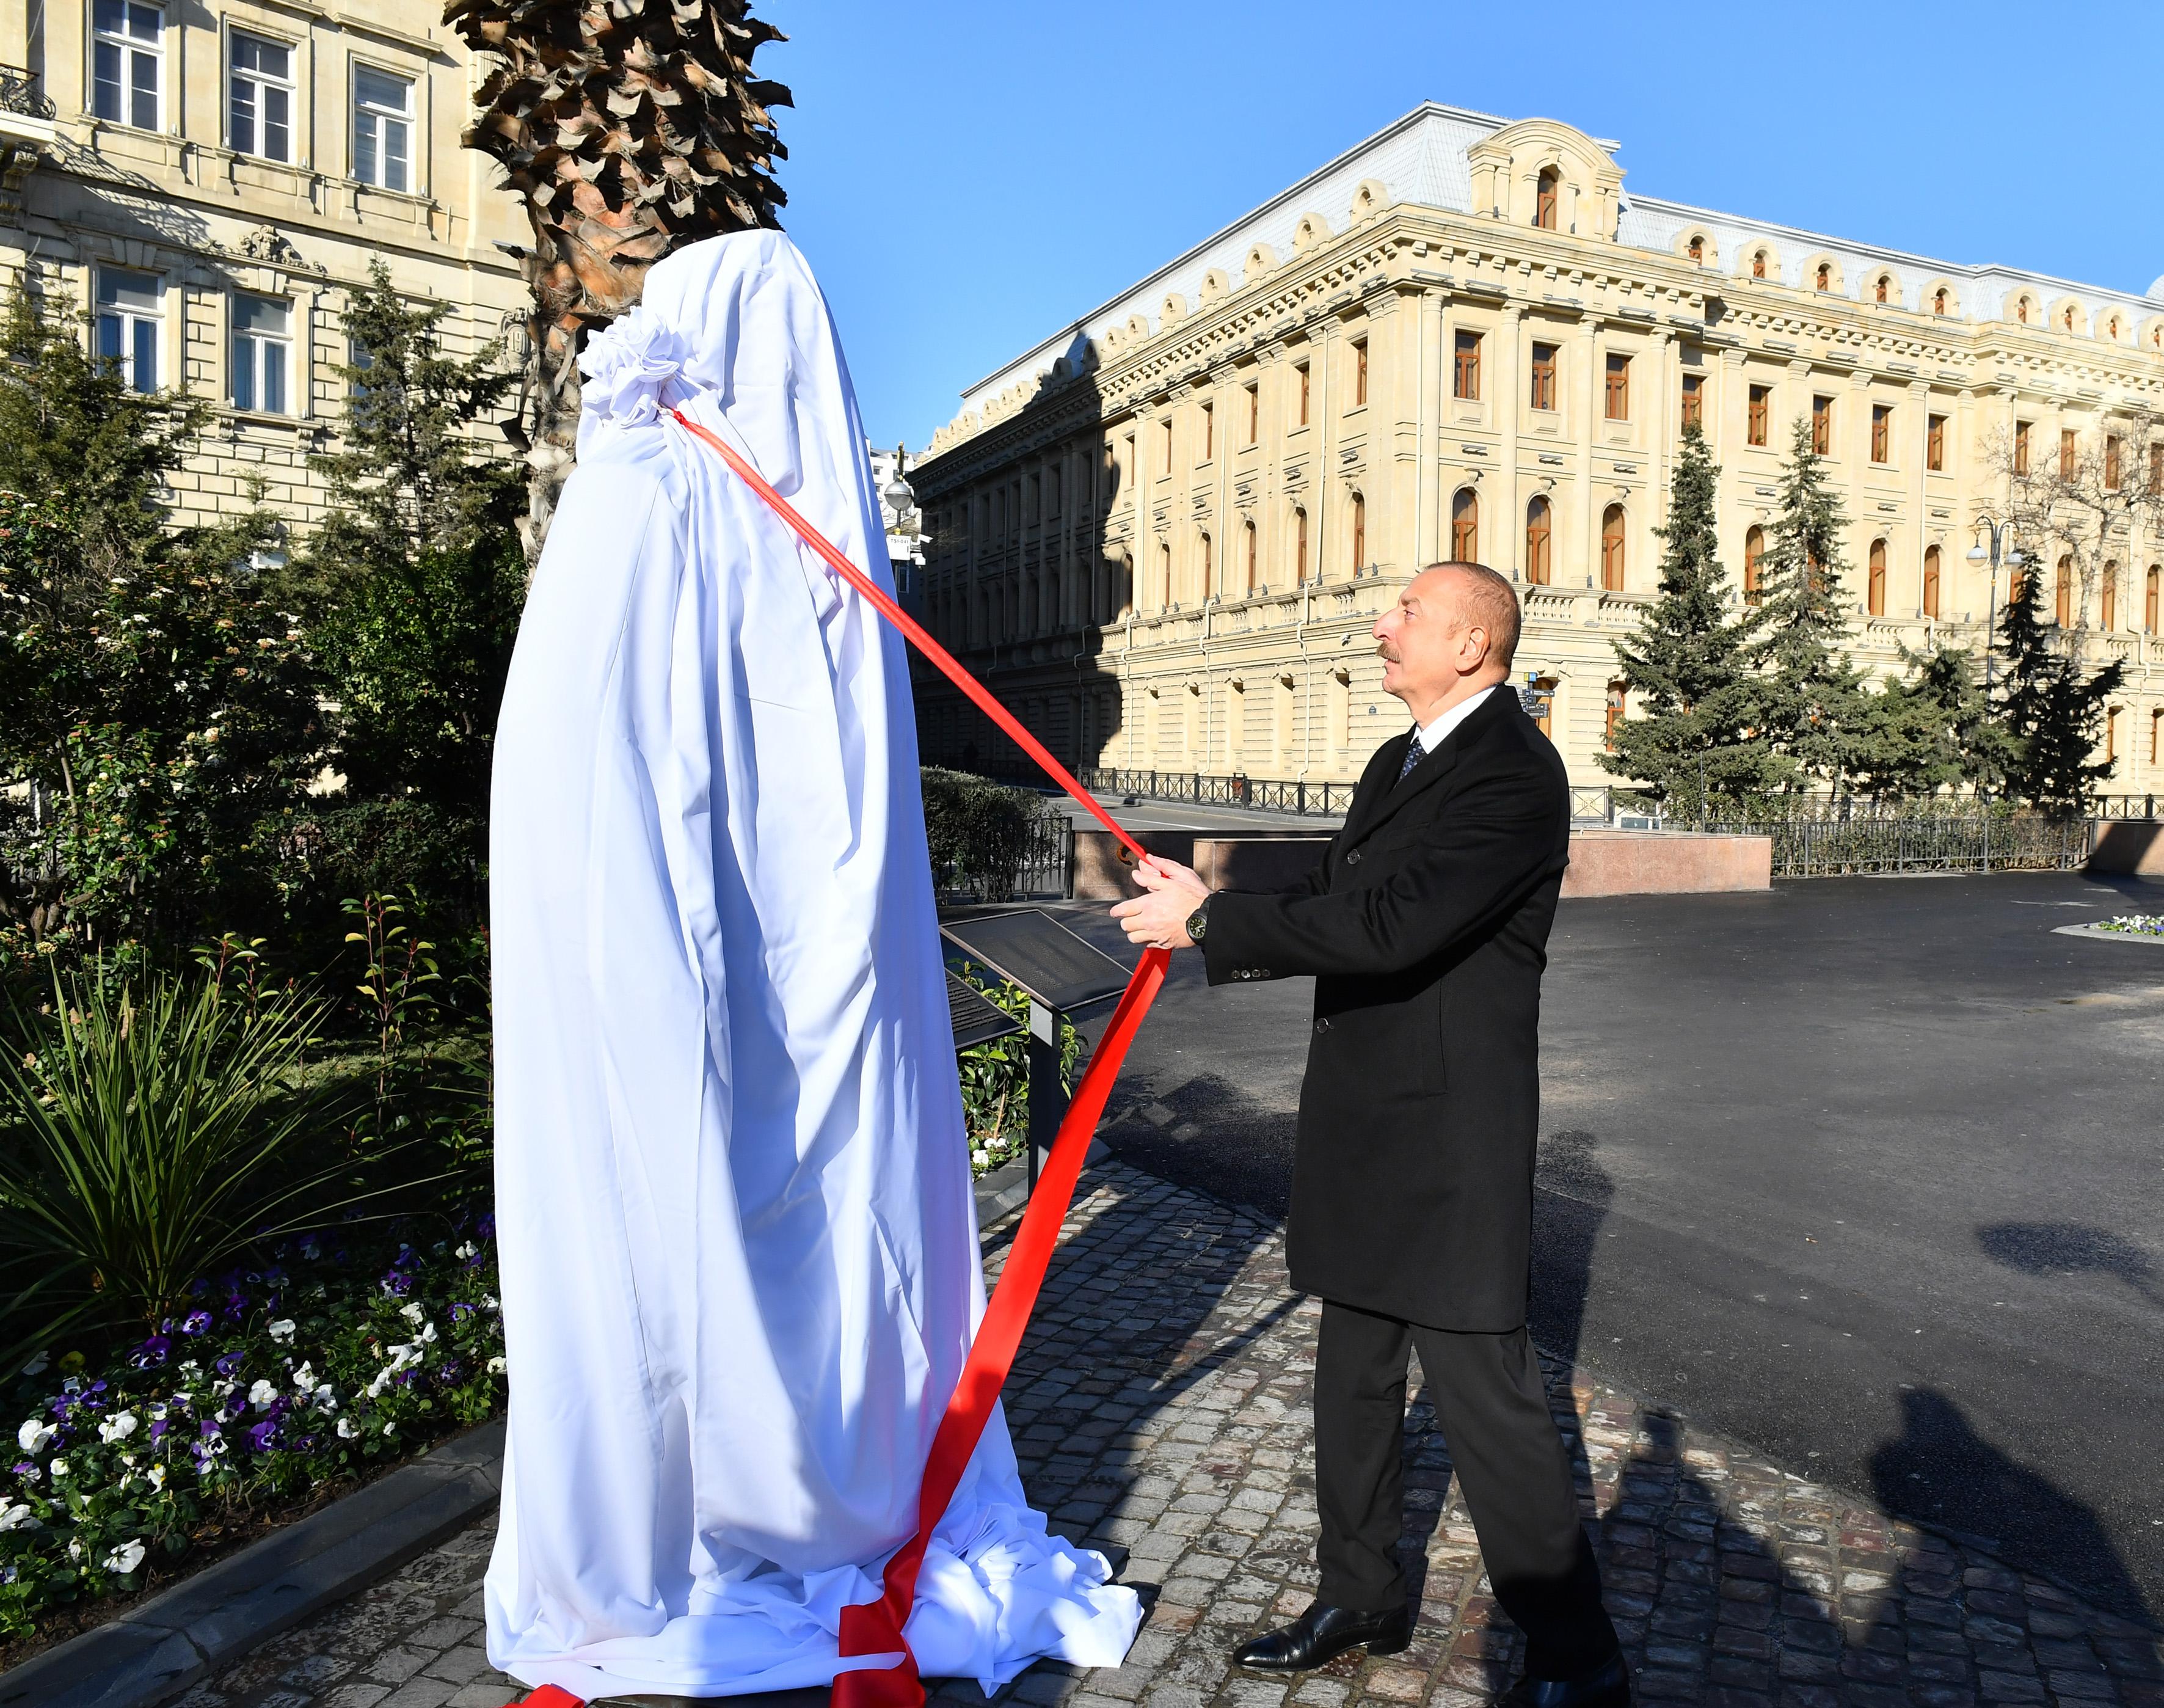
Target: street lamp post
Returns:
[[2013, 561]]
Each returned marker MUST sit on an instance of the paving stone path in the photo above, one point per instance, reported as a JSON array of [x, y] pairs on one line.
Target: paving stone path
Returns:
[[1161, 1410]]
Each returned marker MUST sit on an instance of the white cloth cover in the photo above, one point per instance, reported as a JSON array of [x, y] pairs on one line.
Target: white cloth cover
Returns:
[[733, 1202]]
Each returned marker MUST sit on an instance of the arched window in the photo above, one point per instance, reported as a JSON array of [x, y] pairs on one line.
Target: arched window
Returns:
[[1939, 301], [2063, 592], [1696, 250], [1164, 576], [1465, 529], [1544, 198], [1754, 565], [1758, 264], [1618, 705], [2021, 310], [2107, 598], [1538, 527], [1611, 548], [1203, 541], [2067, 319], [2152, 589], [1876, 595], [1359, 532], [1883, 288], [1248, 541], [1931, 581], [1825, 275], [1298, 546]]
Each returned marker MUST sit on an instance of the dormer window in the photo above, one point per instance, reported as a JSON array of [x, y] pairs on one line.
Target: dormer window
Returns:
[[1758, 264], [1544, 198], [2021, 310], [1939, 300], [2068, 318], [1825, 275], [1880, 292], [1697, 251]]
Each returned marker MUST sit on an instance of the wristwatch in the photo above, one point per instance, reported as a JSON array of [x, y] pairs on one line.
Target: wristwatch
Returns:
[[1196, 922]]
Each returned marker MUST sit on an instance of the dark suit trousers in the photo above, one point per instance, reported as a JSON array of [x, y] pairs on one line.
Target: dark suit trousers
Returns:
[[1506, 1455]]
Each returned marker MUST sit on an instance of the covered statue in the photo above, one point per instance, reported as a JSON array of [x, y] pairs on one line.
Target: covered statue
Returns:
[[738, 1235]]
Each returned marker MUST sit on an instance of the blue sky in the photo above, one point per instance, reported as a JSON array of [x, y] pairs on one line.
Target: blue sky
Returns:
[[966, 178]]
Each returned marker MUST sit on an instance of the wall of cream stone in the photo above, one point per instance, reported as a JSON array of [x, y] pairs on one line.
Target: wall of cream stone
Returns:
[[1097, 621], [176, 201]]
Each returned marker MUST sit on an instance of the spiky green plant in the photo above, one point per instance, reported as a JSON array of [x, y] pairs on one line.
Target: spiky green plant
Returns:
[[148, 1135]]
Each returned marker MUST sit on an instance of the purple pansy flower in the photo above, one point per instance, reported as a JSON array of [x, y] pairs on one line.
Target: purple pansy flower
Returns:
[[195, 1322]]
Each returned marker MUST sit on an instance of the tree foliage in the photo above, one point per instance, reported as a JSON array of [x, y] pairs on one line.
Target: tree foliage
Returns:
[[2050, 710], [1687, 662]]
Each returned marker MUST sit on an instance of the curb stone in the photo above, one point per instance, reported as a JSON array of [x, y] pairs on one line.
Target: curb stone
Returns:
[[212, 1618]]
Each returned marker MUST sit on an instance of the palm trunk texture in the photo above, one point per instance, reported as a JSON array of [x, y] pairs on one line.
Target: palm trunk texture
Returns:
[[629, 128]]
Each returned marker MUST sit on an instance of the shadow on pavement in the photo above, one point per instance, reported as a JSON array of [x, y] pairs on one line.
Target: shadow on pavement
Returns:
[[1939, 1463], [2067, 1249]]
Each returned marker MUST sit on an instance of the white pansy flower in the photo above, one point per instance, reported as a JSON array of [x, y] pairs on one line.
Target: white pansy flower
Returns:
[[412, 1313], [496, 1366], [59, 1467], [126, 1557], [376, 1387], [305, 1377], [156, 1474], [189, 1367], [488, 1301], [390, 1429], [14, 1516], [261, 1393], [347, 1429], [34, 1435], [427, 1334], [118, 1427], [465, 1250], [326, 1399], [281, 1330]]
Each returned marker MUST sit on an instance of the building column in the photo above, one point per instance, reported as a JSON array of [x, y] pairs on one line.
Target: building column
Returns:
[[1591, 354], [1918, 446], [1506, 529]]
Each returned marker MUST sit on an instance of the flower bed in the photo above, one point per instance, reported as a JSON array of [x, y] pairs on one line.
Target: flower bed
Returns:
[[340, 1356], [2134, 924]]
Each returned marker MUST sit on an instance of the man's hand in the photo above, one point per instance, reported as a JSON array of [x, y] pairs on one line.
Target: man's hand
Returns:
[[1157, 919]]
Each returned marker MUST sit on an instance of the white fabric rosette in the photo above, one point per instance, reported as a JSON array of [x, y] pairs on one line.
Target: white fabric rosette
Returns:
[[625, 365]]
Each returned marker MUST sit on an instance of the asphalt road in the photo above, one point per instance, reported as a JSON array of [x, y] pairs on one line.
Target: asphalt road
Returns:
[[1868, 1173]]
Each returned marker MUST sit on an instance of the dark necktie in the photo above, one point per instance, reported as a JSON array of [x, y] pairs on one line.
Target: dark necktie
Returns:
[[1414, 755]]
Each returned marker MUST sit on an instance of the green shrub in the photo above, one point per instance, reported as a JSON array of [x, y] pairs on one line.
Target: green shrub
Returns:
[[995, 1077], [979, 832]]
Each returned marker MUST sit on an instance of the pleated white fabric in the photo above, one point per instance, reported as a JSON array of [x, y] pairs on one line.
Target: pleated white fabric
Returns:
[[734, 1203]]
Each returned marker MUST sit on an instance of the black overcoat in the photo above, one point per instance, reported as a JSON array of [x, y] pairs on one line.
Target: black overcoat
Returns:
[[1426, 928]]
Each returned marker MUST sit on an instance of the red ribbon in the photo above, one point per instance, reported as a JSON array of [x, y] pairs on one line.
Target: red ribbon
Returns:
[[875, 1627]]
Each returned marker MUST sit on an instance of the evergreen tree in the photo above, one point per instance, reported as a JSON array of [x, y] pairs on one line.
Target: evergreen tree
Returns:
[[408, 477], [2049, 712], [1687, 662], [1809, 700], [1929, 731]]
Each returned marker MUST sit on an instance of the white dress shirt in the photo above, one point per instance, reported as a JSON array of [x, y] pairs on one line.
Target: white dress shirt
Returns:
[[1435, 729]]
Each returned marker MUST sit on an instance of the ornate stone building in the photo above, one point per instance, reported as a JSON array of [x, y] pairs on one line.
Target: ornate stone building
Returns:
[[1162, 533], [210, 179]]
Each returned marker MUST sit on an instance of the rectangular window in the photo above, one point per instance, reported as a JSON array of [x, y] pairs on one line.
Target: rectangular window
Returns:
[[1168, 444], [128, 314], [1465, 375], [1822, 425], [262, 346], [2067, 453], [1208, 431], [1934, 443], [1754, 425], [1544, 376], [2111, 453], [1305, 394], [259, 98], [382, 129], [1360, 373], [1882, 433], [2020, 447], [127, 62], [1254, 414], [1616, 399], [1694, 400]]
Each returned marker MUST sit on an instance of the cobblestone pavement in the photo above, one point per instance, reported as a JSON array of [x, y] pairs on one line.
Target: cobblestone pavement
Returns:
[[1161, 1410]]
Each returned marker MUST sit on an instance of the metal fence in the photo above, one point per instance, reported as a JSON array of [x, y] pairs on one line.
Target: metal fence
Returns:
[[1043, 868], [1807, 845], [1197, 789]]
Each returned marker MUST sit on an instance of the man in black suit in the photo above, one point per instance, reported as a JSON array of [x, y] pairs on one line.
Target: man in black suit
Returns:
[[1425, 929]]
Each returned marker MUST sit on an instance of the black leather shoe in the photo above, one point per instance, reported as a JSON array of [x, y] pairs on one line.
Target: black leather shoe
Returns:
[[1608, 1687], [1323, 1631]]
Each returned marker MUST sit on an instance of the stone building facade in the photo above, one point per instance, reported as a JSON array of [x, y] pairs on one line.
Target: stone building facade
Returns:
[[210, 179], [1162, 533]]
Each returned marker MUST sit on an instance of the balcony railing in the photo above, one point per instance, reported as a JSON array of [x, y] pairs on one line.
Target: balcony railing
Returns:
[[18, 93]]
